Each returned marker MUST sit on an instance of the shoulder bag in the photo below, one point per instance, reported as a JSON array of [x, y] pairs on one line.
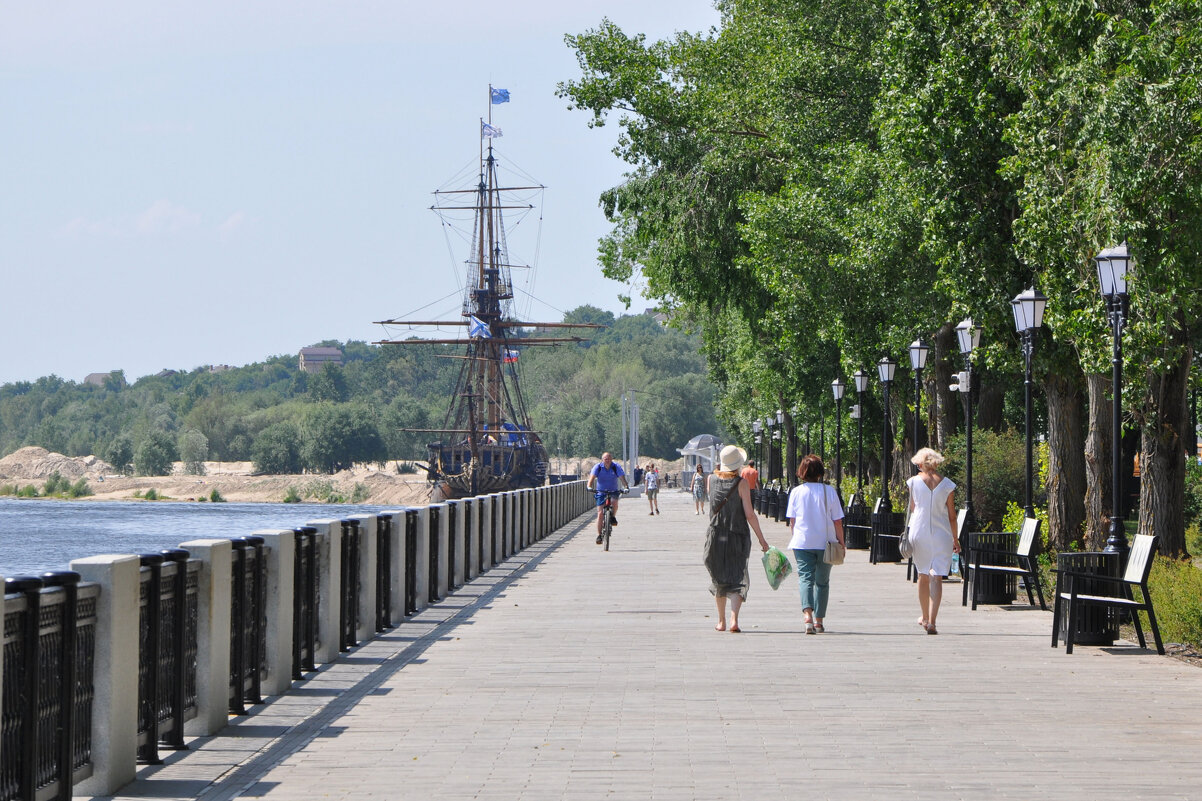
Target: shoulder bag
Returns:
[[835, 552], [904, 546]]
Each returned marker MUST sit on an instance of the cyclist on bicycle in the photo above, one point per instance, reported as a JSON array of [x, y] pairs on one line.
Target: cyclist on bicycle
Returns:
[[604, 479]]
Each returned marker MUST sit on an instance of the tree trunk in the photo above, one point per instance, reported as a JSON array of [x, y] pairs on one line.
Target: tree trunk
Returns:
[[1162, 462], [988, 414], [943, 408], [1098, 502], [790, 438], [1066, 460]]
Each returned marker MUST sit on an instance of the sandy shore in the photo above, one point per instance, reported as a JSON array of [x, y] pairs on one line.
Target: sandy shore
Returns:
[[375, 484]]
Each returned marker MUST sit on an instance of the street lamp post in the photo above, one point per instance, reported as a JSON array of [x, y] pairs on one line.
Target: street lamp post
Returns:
[[861, 381], [969, 336], [779, 436], [756, 428], [918, 361], [886, 368], [1113, 266], [837, 388], [1028, 308]]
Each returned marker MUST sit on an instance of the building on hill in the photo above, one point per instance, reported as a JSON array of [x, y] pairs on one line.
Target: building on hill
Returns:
[[166, 373], [103, 379], [313, 359], [220, 368]]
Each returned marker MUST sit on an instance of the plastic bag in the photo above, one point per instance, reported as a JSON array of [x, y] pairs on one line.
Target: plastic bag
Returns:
[[776, 566]]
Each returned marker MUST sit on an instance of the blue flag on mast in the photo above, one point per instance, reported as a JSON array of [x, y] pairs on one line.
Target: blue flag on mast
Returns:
[[489, 131], [499, 95], [478, 328]]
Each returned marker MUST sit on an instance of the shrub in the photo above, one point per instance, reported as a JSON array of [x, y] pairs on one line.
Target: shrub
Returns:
[[28, 491], [55, 484], [8, 489], [291, 496], [360, 493], [216, 497], [999, 474], [149, 495], [1015, 515], [79, 489], [1176, 588]]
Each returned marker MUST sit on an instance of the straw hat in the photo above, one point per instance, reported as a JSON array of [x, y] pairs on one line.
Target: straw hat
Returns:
[[732, 458]]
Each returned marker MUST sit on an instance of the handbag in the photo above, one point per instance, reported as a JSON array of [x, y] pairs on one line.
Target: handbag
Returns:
[[904, 546], [835, 552]]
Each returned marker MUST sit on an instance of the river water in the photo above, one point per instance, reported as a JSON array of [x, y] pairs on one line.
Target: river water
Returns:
[[41, 535]]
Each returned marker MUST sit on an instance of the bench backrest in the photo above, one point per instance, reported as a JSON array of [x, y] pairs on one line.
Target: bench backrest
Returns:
[[1139, 561], [1026, 540], [963, 513]]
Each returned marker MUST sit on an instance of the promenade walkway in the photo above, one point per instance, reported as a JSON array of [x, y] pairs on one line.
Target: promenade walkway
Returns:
[[571, 673]]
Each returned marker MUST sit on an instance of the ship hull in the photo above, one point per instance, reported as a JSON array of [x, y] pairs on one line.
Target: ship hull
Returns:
[[462, 473]]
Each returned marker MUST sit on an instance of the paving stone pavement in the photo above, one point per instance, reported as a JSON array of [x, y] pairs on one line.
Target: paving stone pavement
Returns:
[[571, 673]]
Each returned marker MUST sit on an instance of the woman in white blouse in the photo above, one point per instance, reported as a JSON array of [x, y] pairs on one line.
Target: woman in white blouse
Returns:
[[816, 517]]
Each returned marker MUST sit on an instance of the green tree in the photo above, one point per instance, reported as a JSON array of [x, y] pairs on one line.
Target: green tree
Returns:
[[193, 451], [120, 453], [277, 449], [335, 436], [155, 454]]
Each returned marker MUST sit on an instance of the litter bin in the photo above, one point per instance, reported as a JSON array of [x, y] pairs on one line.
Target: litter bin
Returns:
[[1096, 625], [996, 588]]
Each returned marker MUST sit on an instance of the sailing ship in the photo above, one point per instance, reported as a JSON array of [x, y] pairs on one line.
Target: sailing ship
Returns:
[[486, 442]]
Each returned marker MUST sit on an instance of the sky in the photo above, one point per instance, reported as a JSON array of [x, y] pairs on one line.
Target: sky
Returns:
[[195, 183]]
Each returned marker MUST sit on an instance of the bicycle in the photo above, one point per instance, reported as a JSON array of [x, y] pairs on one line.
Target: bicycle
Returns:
[[607, 521]]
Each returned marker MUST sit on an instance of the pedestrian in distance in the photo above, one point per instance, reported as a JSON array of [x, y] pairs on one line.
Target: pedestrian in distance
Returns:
[[651, 476], [932, 531], [728, 536], [751, 475], [816, 518], [698, 489]]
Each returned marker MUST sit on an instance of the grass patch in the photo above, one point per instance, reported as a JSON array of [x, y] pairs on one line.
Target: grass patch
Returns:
[[292, 496]]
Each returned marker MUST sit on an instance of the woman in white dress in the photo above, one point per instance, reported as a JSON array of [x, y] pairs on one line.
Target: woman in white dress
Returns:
[[932, 532]]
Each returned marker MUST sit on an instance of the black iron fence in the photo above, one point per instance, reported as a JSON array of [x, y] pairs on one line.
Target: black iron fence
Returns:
[[304, 602], [248, 627], [51, 626], [49, 648]]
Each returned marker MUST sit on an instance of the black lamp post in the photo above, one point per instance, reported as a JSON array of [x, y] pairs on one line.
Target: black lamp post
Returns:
[[969, 336], [861, 381], [757, 429], [918, 361], [1028, 308], [837, 388], [778, 435], [886, 368], [1113, 266]]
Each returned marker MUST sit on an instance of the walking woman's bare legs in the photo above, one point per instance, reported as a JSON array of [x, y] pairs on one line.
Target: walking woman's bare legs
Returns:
[[936, 599], [721, 601], [736, 601], [924, 599]]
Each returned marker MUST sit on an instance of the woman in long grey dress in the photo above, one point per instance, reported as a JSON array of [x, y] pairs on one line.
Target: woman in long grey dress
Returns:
[[728, 538], [932, 532]]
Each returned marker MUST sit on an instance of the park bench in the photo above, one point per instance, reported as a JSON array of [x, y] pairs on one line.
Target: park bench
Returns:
[[1018, 563], [1079, 589]]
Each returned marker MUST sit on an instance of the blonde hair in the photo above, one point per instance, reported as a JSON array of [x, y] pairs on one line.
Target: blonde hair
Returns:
[[928, 458]]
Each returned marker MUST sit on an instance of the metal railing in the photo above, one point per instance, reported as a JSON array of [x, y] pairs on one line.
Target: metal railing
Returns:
[[304, 602], [248, 645], [383, 572], [348, 596], [49, 648]]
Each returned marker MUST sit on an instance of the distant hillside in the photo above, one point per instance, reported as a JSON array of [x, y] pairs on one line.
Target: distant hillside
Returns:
[[287, 420]]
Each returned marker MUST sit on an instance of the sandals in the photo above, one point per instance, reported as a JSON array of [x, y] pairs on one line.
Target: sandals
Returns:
[[810, 629], [931, 630], [818, 628]]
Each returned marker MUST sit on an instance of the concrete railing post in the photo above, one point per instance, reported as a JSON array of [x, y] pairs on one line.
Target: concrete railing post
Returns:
[[460, 549], [368, 558], [443, 534], [422, 556], [329, 578], [278, 596], [471, 533], [115, 672], [396, 545], [487, 507], [500, 526]]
